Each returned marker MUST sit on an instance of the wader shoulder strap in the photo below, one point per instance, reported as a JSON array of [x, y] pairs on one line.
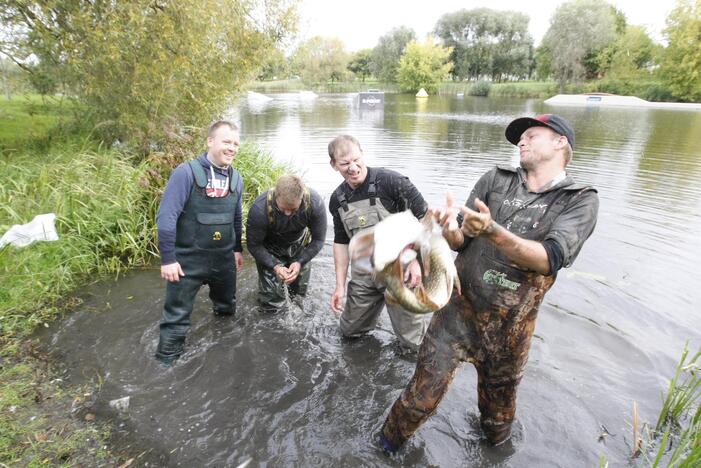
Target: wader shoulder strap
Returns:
[[199, 173], [235, 182], [269, 206], [372, 189], [341, 197]]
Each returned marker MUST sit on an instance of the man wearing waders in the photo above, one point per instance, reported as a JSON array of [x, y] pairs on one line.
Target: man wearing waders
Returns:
[[199, 236], [518, 227], [367, 196], [285, 229]]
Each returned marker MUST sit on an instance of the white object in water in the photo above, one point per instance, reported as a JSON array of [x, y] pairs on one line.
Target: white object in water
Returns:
[[258, 97], [600, 99], [120, 404], [422, 93], [41, 228], [308, 95]]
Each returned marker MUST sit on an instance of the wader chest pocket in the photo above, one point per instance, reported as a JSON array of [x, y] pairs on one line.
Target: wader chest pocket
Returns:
[[362, 221], [214, 229]]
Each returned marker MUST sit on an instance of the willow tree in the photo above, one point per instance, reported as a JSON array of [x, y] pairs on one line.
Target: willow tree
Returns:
[[320, 59], [146, 68], [487, 42], [577, 30]]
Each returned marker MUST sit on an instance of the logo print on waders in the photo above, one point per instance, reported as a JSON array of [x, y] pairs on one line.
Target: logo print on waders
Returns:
[[497, 278], [216, 236], [362, 221]]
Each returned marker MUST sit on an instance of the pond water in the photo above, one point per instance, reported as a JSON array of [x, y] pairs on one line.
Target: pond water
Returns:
[[286, 390]]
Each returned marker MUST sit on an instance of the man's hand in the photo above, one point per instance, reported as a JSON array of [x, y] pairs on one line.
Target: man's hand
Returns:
[[337, 300], [447, 218], [280, 272], [412, 274], [239, 260], [293, 272], [172, 272], [476, 223]]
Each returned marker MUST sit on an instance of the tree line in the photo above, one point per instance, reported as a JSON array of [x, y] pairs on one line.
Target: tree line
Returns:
[[586, 40]]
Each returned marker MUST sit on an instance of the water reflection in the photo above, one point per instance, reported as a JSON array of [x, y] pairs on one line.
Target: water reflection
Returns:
[[287, 390]]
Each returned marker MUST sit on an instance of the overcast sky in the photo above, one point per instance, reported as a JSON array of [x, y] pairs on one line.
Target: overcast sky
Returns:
[[360, 23]]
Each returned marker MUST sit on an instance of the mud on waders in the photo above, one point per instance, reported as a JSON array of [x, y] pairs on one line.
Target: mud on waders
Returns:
[[204, 247], [490, 325]]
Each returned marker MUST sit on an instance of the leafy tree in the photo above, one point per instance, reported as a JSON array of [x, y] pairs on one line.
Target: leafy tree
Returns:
[[681, 66], [275, 66], [146, 69], [629, 55], [384, 61], [320, 59], [423, 66], [543, 62], [487, 42], [42, 79], [360, 63], [578, 29]]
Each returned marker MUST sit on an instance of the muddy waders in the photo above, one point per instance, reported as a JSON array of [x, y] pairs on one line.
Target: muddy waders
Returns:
[[204, 247], [489, 325]]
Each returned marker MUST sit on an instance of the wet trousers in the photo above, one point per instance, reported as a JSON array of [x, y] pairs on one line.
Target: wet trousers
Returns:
[[211, 269], [364, 301], [493, 341], [271, 291]]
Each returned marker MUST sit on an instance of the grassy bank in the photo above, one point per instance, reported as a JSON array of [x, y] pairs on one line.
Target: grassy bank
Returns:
[[31, 120], [647, 89], [292, 86], [105, 203]]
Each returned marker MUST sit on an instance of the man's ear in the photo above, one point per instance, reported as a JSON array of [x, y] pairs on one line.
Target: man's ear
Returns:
[[332, 162]]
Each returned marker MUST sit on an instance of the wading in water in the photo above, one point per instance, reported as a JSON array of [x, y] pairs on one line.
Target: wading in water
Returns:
[[199, 236], [518, 227], [366, 197], [285, 229]]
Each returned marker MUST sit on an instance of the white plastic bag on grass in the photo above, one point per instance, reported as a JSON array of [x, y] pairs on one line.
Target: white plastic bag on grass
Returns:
[[41, 228]]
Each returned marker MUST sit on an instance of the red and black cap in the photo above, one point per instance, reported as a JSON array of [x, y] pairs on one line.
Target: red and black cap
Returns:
[[554, 122]]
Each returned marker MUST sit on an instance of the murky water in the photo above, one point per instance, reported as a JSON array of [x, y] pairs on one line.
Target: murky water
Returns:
[[286, 390]]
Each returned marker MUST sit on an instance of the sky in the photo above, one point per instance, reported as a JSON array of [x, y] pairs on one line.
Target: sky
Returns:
[[360, 23]]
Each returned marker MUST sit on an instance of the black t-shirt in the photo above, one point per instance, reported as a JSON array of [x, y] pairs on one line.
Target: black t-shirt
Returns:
[[395, 191]]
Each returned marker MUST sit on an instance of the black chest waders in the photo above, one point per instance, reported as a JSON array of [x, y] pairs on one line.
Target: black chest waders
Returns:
[[204, 248], [490, 325], [272, 293], [364, 296]]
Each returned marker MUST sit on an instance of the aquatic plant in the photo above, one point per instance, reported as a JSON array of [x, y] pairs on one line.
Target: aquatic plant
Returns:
[[676, 440]]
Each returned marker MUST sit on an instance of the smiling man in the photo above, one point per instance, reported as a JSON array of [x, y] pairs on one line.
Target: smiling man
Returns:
[[199, 236], [518, 227], [285, 229], [366, 196]]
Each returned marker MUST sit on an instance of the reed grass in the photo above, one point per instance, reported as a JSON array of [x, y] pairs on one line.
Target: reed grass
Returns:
[[676, 439]]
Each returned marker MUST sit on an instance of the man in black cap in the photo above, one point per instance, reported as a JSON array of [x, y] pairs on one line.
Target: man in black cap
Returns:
[[518, 227]]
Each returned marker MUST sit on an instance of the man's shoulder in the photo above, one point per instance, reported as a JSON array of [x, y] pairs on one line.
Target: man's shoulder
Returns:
[[385, 173], [315, 197]]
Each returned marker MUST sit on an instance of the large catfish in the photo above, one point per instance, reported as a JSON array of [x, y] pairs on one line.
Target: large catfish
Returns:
[[387, 248]]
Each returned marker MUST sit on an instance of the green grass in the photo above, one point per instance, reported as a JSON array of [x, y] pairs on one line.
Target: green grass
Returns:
[[29, 119], [102, 219], [677, 435], [105, 202]]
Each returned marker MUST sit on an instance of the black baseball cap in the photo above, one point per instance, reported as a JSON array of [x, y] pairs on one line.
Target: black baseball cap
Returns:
[[554, 122]]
